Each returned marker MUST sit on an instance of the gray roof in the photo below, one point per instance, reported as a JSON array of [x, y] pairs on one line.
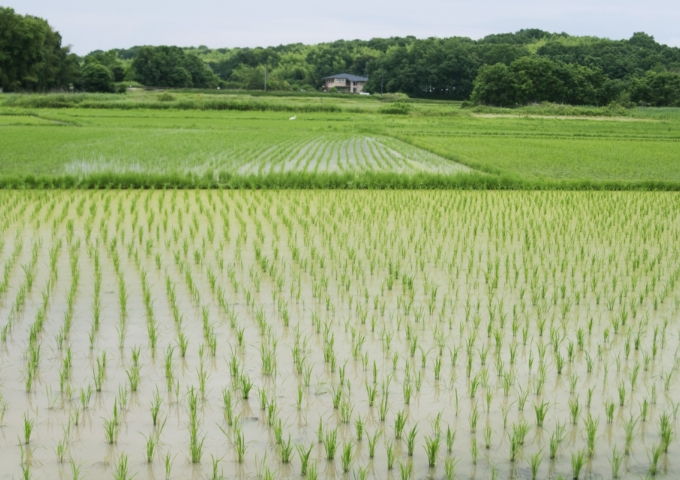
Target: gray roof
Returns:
[[350, 77]]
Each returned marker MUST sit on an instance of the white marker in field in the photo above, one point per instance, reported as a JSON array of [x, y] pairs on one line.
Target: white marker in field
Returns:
[[293, 117]]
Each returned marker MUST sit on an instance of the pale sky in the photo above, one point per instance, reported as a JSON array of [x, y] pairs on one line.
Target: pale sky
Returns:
[[94, 24]]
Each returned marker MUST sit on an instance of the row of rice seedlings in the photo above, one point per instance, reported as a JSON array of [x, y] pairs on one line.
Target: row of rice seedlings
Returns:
[[333, 153]]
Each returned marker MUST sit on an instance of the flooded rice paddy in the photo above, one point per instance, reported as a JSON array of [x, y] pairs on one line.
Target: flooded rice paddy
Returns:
[[239, 334], [328, 153]]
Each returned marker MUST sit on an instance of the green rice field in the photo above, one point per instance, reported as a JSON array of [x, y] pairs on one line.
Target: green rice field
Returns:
[[339, 334], [219, 286], [353, 138]]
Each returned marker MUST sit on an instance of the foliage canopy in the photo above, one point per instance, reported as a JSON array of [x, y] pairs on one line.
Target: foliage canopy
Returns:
[[31, 55], [507, 69]]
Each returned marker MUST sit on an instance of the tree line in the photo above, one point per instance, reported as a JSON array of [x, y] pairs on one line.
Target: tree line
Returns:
[[33, 59], [507, 69]]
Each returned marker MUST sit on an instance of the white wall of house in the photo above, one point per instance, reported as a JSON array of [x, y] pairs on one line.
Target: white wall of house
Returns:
[[342, 84]]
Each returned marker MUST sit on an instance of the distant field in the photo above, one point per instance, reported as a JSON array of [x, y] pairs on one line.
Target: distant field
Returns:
[[342, 153], [87, 150], [435, 138], [574, 158]]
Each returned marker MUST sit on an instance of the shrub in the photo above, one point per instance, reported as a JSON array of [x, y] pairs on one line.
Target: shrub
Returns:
[[166, 97], [396, 108], [97, 78]]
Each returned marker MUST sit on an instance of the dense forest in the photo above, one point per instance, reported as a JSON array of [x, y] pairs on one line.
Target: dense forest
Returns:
[[508, 69]]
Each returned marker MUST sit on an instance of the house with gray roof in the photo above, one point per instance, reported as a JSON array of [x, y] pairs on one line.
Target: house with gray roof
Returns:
[[345, 82]]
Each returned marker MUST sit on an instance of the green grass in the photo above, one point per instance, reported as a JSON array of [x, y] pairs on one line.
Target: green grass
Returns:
[[556, 109], [559, 158], [136, 140]]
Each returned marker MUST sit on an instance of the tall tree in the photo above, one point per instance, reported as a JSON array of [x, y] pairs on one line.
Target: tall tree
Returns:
[[31, 55], [171, 67], [657, 89], [97, 78], [537, 79]]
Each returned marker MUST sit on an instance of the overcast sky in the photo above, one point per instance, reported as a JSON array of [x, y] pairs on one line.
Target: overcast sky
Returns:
[[94, 24]]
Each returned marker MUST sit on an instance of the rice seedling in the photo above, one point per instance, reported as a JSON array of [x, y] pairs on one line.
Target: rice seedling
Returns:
[[133, 375], [653, 455], [361, 473], [609, 411], [111, 429], [299, 398], [665, 431], [75, 470], [591, 431], [122, 398], [182, 343], [432, 448], [151, 444], [514, 447], [411, 440], [622, 393], [578, 459], [535, 463], [330, 443], [286, 451], [390, 454], [239, 445], [450, 468], [487, 437], [556, 439], [85, 396], [121, 471], [520, 431], [541, 411], [312, 472], [167, 465], [359, 426], [63, 446], [399, 424], [372, 440], [474, 417], [574, 410], [615, 462], [215, 474], [347, 456], [246, 385], [371, 391], [304, 454], [195, 442], [450, 438], [405, 470], [29, 424], [346, 409], [383, 407]]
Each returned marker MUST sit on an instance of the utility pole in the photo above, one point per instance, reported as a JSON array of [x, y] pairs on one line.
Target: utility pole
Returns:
[[381, 84], [265, 77]]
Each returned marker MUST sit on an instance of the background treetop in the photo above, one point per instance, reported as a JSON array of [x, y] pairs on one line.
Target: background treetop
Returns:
[[530, 65]]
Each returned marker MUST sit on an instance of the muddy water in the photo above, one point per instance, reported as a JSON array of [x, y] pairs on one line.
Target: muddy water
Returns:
[[340, 264]]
